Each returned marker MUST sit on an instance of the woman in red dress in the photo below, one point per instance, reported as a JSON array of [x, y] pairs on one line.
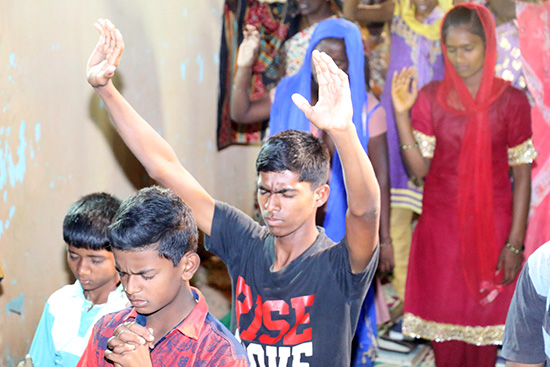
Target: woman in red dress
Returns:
[[463, 136]]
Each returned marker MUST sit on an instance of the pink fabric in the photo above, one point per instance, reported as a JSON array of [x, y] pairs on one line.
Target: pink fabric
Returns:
[[377, 122], [382, 310], [534, 39]]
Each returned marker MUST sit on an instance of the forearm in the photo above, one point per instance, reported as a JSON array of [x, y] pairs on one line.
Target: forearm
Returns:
[[156, 155], [239, 104], [146, 144], [522, 194], [378, 155], [363, 198], [418, 165], [241, 108]]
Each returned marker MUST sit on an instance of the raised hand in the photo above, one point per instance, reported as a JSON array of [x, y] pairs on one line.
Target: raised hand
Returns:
[[106, 55], [248, 50], [404, 89], [333, 110]]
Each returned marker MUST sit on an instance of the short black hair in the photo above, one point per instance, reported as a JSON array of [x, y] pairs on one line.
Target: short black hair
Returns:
[[155, 216], [86, 224], [296, 151], [463, 16]]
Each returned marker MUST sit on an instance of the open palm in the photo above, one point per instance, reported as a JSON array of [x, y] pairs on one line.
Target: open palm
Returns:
[[333, 110], [404, 89], [248, 50], [106, 55]]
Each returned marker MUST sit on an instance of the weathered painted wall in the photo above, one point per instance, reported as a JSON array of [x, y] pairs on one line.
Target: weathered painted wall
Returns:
[[56, 143]]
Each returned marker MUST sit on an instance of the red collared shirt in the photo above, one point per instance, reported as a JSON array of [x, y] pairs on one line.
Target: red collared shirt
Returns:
[[199, 340]]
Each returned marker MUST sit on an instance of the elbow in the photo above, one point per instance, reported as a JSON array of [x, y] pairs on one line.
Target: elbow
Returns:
[[157, 174], [369, 214], [369, 209], [238, 115], [235, 113], [162, 173]]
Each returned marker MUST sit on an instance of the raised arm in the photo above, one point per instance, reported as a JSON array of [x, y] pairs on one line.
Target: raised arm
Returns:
[[333, 114], [241, 108], [154, 153], [404, 91]]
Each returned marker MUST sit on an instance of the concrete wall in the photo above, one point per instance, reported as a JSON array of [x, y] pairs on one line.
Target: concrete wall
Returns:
[[56, 143]]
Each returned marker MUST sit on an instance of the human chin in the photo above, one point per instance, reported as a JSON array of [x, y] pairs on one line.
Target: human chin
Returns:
[[87, 285], [275, 227]]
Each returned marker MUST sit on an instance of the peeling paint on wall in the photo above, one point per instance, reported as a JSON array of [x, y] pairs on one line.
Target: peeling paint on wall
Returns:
[[15, 305], [200, 61], [11, 172], [183, 68], [13, 162], [12, 61]]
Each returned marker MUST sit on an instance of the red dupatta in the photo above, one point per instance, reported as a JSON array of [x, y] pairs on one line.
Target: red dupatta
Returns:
[[476, 221]]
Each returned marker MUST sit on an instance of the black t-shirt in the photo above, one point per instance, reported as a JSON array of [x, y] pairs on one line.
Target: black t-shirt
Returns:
[[302, 315]]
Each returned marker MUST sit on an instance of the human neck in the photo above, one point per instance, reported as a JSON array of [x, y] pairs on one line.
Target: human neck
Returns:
[[322, 14], [101, 295], [473, 83], [291, 246], [167, 318]]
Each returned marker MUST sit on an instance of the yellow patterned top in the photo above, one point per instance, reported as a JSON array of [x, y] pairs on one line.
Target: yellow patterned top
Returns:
[[408, 11], [522, 154]]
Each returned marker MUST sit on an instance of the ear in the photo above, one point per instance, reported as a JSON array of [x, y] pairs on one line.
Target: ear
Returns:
[[321, 195], [189, 264]]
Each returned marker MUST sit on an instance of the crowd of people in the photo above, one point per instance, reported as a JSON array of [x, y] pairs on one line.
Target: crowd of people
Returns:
[[441, 186]]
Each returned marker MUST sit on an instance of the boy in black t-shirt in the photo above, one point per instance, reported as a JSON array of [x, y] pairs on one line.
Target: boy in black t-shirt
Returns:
[[297, 294]]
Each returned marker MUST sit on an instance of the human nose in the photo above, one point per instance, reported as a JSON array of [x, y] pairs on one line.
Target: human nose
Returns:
[[132, 284], [272, 203], [460, 55], [83, 268]]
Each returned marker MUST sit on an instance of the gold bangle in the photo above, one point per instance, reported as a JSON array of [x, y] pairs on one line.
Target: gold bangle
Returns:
[[515, 250], [408, 146]]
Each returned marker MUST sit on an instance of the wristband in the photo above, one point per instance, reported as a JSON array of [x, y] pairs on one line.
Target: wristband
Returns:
[[408, 146], [515, 250]]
